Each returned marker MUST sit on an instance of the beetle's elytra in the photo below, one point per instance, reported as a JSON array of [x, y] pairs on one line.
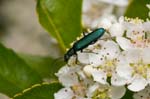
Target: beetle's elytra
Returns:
[[84, 42]]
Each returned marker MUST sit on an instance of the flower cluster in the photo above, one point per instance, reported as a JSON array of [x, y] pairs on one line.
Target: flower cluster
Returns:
[[119, 61]]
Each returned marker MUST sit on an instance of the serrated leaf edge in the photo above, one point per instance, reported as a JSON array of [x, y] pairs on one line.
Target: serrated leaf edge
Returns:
[[33, 86]]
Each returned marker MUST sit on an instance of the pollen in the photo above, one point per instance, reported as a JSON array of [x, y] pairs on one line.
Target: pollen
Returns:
[[101, 94], [140, 68], [109, 66], [135, 21], [71, 44], [67, 49], [79, 89], [140, 38], [78, 38], [109, 63], [88, 30]]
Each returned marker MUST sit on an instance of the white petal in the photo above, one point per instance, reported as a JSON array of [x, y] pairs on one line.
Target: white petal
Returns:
[[146, 26], [134, 31], [64, 69], [146, 55], [67, 76], [96, 59], [68, 79], [116, 29], [92, 89], [88, 70], [122, 58], [124, 70], [81, 74], [130, 30], [99, 76], [116, 80], [83, 57], [148, 76], [65, 93], [110, 50], [133, 55], [117, 92], [138, 83], [124, 43], [121, 19]]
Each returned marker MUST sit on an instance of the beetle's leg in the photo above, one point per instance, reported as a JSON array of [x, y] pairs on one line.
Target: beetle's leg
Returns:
[[89, 52], [76, 58], [83, 33]]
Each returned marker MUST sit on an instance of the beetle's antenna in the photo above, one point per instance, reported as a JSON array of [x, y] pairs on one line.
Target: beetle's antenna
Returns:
[[59, 59], [109, 36]]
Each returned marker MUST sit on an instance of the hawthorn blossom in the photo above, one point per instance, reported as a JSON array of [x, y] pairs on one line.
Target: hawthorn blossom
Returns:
[[134, 67], [117, 62], [103, 64], [98, 91], [131, 33], [79, 80]]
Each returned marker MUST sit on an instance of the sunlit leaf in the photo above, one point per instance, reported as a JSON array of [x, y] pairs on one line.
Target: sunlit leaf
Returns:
[[137, 8], [61, 18]]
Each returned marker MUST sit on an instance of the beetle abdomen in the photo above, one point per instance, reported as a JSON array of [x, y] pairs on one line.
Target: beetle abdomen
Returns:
[[88, 39]]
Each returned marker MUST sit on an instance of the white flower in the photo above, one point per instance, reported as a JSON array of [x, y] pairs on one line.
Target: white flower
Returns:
[[104, 63], [64, 93], [76, 91], [117, 29], [67, 75], [98, 91], [103, 69], [136, 35], [134, 67], [143, 94], [124, 43]]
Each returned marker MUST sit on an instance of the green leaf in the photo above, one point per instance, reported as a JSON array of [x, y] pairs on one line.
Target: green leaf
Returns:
[[137, 8], [61, 18], [15, 74], [45, 66], [128, 95], [43, 91]]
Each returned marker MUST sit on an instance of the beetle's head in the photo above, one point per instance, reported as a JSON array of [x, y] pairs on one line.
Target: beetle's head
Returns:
[[66, 57]]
